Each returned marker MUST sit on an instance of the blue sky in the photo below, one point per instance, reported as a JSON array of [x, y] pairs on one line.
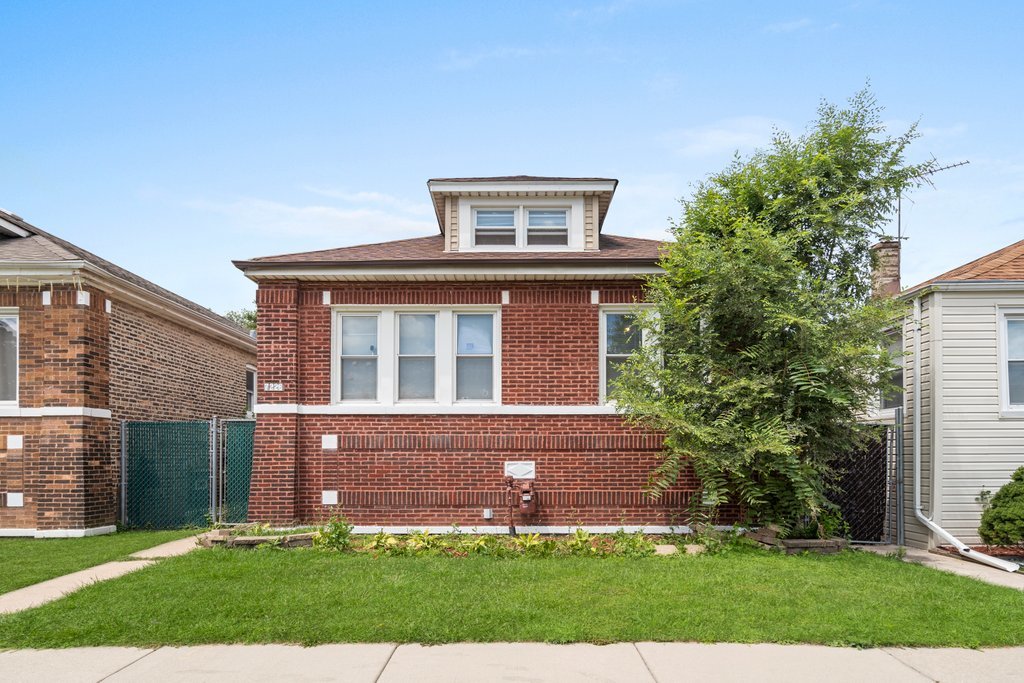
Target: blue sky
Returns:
[[171, 138]]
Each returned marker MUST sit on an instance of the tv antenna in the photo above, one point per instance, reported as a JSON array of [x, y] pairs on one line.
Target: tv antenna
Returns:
[[899, 197]]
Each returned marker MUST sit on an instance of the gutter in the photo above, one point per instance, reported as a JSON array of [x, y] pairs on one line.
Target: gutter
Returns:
[[961, 548]]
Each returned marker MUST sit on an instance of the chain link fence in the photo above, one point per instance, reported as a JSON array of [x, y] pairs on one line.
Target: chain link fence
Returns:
[[869, 490], [179, 474]]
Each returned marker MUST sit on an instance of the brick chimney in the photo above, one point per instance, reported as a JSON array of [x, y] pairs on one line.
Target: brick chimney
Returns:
[[885, 269]]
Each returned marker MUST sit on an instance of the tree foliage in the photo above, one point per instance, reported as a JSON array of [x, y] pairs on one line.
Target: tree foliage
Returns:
[[769, 344], [244, 318]]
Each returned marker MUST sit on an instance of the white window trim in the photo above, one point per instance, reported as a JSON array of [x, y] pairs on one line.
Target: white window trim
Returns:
[[437, 363], [575, 207], [387, 354], [251, 410], [604, 310], [889, 414], [14, 403], [1002, 344]]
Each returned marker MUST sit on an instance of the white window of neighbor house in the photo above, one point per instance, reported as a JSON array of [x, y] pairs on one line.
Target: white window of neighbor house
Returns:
[[250, 390], [893, 398], [1014, 363], [359, 353], [494, 227], [8, 356], [417, 356], [474, 357], [548, 227]]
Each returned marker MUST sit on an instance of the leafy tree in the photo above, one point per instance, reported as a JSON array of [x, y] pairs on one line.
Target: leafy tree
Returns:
[[1002, 523], [243, 317], [769, 343]]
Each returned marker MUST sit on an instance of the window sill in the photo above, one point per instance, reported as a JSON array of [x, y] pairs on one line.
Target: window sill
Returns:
[[1012, 414]]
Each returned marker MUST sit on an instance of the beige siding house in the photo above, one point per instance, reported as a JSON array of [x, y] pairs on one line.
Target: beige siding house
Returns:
[[970, 327]]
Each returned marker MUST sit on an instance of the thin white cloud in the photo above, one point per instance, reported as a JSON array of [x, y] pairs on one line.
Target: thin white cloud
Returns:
[[789, 26], [378, 198], [742, 133], [317, 223], [461, 60]]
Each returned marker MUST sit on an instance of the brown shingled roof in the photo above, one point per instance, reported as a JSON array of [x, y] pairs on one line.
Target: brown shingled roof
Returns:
[[1006, 264], [430, 250], [41, 246]]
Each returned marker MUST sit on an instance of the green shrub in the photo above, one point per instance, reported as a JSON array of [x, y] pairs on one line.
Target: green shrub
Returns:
[[632, 545], [336, 534], [1003, 522]]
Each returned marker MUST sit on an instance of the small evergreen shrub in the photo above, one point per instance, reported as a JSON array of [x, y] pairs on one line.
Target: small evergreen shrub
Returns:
[[1003, 522]]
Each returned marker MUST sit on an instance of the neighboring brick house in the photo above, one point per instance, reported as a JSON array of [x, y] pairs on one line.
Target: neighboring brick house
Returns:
[[85, 344], [399, 380]]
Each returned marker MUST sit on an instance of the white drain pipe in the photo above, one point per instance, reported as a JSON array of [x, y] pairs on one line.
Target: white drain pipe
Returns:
[[918, 512]]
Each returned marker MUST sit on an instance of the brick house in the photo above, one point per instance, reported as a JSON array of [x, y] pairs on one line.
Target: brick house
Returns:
[[401, 381], [85, 344]]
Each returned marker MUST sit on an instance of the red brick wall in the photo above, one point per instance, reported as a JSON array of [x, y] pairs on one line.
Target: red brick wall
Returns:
[[441, 469], [136, 364]]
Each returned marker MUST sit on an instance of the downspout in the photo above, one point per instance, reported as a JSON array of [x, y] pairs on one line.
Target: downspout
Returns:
[[918, 512]]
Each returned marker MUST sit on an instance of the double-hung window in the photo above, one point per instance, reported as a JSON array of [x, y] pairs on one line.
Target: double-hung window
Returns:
[[8, 356], [892, 397], [1013, 361], [358, 357], [547, 227], [401, 355], [541, 228], [494, 227], [474, 357], [621, 336], [417, 361]]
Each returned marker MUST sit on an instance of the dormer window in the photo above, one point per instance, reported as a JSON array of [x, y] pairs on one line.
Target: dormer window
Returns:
[[494, 227], [547, 227], [537, 225]]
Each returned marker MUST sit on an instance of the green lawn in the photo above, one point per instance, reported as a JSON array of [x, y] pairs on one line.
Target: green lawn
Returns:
[[299, 596], [25, 561]]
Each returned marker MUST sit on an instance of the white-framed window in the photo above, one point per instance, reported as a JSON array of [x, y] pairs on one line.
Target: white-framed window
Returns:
[[474, 356], [415, 354], [250, 390], [1011, 361], [893, 398], [621, 336], [494, 227], [9, 342], [547, 227], [515, 224], [358, 333]]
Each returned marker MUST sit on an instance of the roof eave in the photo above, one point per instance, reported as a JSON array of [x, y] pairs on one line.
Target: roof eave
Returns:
[[962, 286]]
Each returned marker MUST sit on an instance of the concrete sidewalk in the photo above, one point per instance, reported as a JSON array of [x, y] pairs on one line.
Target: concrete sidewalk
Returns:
[[643, 662], [47, 591]]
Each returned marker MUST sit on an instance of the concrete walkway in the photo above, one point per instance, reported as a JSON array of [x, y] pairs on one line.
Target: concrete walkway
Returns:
[[954, 565], [48, 591], [519, 662]]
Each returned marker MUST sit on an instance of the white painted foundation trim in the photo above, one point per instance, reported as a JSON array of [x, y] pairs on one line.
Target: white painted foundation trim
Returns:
[[75, 533], [55, 411], [17, 533], [426, 409]]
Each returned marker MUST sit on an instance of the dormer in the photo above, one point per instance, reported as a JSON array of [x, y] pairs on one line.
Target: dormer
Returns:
[[521, 213]]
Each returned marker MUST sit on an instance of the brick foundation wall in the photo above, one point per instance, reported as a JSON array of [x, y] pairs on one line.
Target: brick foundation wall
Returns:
[[440, 469], [131, 362]]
